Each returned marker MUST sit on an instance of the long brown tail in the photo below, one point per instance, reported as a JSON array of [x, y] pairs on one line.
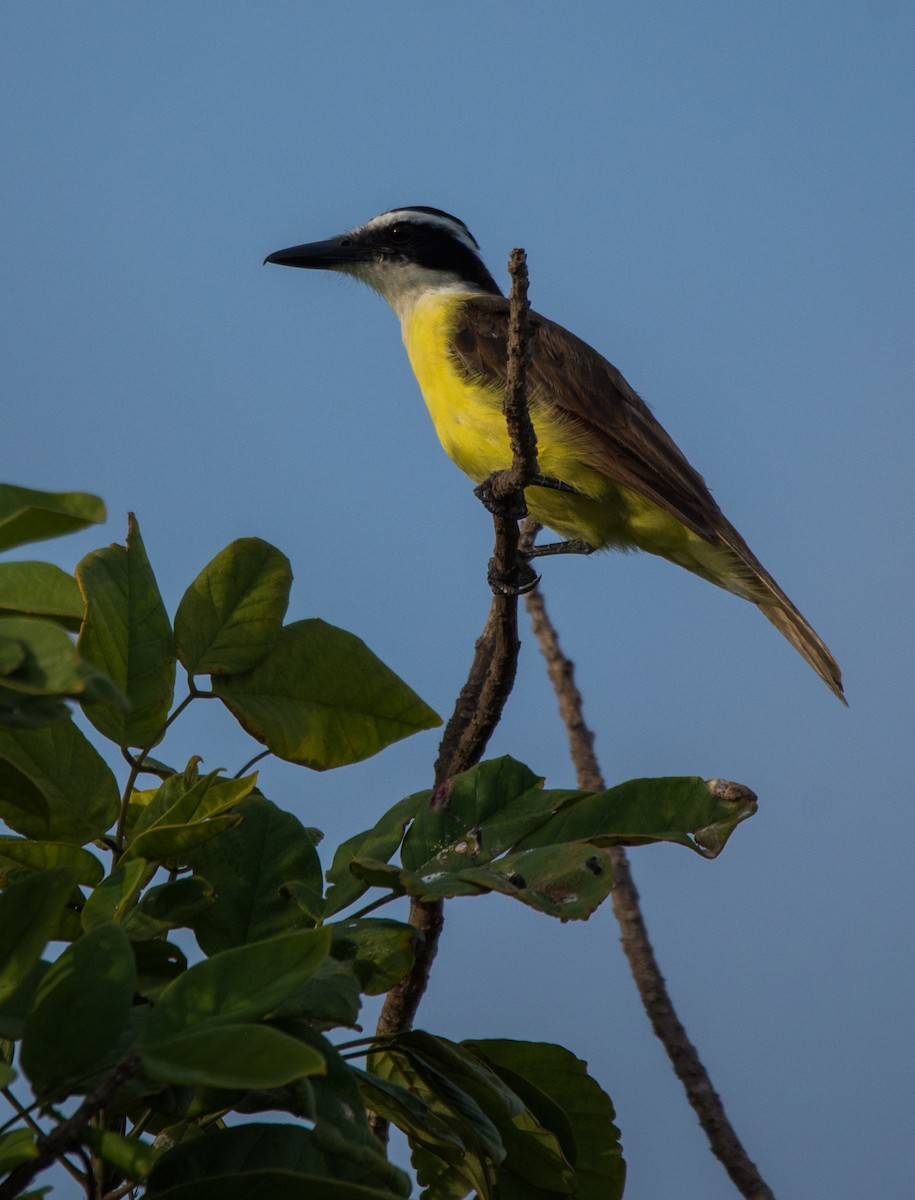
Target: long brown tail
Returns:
[[751, 580], [788, 621]]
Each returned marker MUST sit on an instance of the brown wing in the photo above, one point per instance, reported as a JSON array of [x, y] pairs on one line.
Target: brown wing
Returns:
[[625, 441]]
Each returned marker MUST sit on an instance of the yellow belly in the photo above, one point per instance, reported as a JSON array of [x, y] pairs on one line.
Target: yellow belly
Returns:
[[470, 424]]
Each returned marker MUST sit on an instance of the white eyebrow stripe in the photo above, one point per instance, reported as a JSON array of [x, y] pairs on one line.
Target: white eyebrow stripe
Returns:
[[455, 228]]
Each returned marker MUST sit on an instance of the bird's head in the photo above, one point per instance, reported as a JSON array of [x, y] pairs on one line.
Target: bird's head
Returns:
[[404, 254]]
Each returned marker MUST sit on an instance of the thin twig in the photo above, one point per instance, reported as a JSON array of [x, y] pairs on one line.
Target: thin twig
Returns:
[[492, 673], [723, 1139], [250, 763], [69, 1133]]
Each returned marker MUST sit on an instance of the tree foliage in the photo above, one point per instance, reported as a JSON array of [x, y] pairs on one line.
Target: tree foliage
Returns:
[[135, 1066]]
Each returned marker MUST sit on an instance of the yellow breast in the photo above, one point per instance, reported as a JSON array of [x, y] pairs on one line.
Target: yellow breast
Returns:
[[467, 416]]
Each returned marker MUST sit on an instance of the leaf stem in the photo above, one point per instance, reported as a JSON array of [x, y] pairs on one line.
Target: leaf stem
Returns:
[[386, 899], [136, 764]]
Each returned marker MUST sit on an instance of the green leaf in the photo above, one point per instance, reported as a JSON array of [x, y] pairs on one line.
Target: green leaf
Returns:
[[687, 810], [556, 1087], [322, 699], [332, 997], [81, 1008], [282, 1162], [171, 845], [133, 1158], [381, 951], [30, 516], [55, 785], [244, 984], [252, 869], [231, 614], [50, 665], [436, 1164], [341, 1128], [40, 589], [169, 906], [126, 634], [19, 856], [185, 798], [115, 897], [494, 828], [534, 1163], [13, 654], [17, 1146], [379, 843], [403, 1107], [30, 912], [481, 811], [566, 881], [236, 1055]]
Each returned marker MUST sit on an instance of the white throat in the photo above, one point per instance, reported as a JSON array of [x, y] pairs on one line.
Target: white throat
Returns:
[[405, 284]]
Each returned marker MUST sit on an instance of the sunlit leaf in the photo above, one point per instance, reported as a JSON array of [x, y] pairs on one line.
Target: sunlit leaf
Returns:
[[232, 613], [27, 515], [40, 589], [171, 845], [322, 699], [186, 798], [127, 635]]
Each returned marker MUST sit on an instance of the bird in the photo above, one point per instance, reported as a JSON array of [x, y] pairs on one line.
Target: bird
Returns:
[[611, 477]]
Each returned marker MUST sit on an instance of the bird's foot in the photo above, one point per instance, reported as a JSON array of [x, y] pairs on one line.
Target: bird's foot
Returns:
[[520, 580], [508, 506], [572, 546]]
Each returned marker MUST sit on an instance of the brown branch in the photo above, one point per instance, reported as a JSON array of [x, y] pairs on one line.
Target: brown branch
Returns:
[[521, 434], [69, 1133], [723, 1139], [479, 706]]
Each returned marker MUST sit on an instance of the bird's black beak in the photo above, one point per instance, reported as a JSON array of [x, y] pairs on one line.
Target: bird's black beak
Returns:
[[333, 254]]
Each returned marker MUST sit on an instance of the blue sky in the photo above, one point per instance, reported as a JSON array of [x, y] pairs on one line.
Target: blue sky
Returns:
[[720, 198]]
